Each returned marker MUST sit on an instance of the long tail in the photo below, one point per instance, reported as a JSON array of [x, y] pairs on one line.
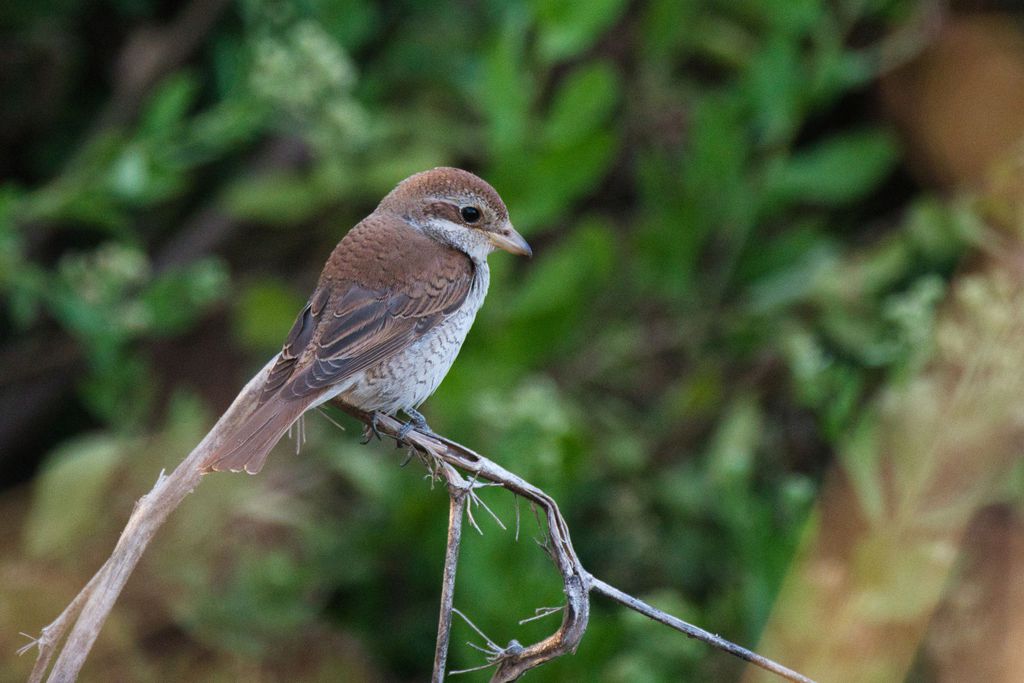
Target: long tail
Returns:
[[246, 447]]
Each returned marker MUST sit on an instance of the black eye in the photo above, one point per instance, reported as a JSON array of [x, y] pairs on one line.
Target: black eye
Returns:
[[470, 214]]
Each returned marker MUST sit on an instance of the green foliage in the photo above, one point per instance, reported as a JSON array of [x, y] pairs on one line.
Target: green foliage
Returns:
[[707, 291], [77, 477], [836, 172], [566, 29]]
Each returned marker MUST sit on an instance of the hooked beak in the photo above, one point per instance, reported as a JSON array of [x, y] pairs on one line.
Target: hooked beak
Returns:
[[511, 241]]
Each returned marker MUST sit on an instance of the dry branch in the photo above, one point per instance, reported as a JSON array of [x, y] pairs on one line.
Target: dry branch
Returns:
[[515, 660], [86, 613], [92, 605], [451, 561]]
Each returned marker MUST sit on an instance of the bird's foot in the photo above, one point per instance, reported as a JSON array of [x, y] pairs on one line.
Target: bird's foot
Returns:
[[370, 430], [416, 421]]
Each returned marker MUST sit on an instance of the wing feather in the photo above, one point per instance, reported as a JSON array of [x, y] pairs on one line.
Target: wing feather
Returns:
[[385, 286], [359, 316]]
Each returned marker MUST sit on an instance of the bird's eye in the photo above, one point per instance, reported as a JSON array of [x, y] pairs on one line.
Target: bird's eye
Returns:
[[470, 214]]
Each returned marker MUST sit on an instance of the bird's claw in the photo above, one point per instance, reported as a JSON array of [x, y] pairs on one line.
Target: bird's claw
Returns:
[[370, 429], [416, 421]]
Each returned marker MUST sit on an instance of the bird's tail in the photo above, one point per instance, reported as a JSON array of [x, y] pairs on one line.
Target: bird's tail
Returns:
[[246, 446]]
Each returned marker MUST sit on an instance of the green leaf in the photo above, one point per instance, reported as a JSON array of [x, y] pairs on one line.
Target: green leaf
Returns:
[[731, 456], [542, 186], [176, 299], [119, 388], [838, 171], [169, 105], [564, 274], [504, 88], [719, 150], [350, 22], [264, 314], [278, 197], [861, 459], [568, 27], [778, 87], [68, 504], [582, 104], [666, 26]]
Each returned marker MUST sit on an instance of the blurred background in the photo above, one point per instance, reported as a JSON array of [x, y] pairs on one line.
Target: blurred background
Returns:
[[767, 356]]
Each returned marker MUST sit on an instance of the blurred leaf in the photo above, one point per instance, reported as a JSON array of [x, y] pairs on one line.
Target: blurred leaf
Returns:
[[12, 257], [939, 231], [565, 276], [731, 455], [715, 163], [264, 314], [119, 388], [168, 107], [794, 19], [266, 594], [286, 198], [582, 104], [790, 267], [503, 91], [661, 26], [837, 171], [778, 88], [556, 178], [351, 22], [568, 27], [175, 300], [70, 495], [222, 129], [861, 461], [836, 70]]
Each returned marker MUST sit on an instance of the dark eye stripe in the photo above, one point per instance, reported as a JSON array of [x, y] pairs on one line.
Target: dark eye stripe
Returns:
[[445, 210]]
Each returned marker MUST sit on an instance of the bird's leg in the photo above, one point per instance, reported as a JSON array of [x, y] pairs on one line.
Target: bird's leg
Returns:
[[416, 421], [370, 430]]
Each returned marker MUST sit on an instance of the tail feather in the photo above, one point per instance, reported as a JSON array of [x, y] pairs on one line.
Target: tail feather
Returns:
[[246, 447]]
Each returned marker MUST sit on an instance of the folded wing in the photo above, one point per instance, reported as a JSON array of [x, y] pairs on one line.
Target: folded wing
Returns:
[[369, 304]]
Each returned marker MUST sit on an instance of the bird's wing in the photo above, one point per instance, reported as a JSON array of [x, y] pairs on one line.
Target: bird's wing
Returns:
[[372, 301], [383, 288]]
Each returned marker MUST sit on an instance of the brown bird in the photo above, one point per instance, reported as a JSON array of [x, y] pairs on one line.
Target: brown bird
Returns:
[[389, 314]]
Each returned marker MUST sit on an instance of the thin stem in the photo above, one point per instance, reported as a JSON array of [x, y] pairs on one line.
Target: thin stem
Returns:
[[451, 560], [599, 586], [90, 608]]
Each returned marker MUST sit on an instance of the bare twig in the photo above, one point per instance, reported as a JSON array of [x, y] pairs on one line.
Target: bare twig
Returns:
[[540, 613], [85, 615], [451, 560], [515, 660], [700, 634]]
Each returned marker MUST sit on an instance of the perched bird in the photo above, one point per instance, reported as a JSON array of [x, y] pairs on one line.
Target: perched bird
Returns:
[[389, 314]]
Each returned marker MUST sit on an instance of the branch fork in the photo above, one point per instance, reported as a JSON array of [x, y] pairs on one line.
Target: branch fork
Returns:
[[71, 635]]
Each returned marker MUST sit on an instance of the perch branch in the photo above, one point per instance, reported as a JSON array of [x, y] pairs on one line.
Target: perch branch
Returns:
[[515, 660], [87, 612]]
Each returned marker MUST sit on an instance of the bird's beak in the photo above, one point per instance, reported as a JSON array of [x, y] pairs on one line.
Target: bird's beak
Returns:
[[511, 241]]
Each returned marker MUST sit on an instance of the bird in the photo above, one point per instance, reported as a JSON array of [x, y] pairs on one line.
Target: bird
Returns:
[[389, 314]]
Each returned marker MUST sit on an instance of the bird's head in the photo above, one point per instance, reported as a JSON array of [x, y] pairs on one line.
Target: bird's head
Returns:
[[457, 208]]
